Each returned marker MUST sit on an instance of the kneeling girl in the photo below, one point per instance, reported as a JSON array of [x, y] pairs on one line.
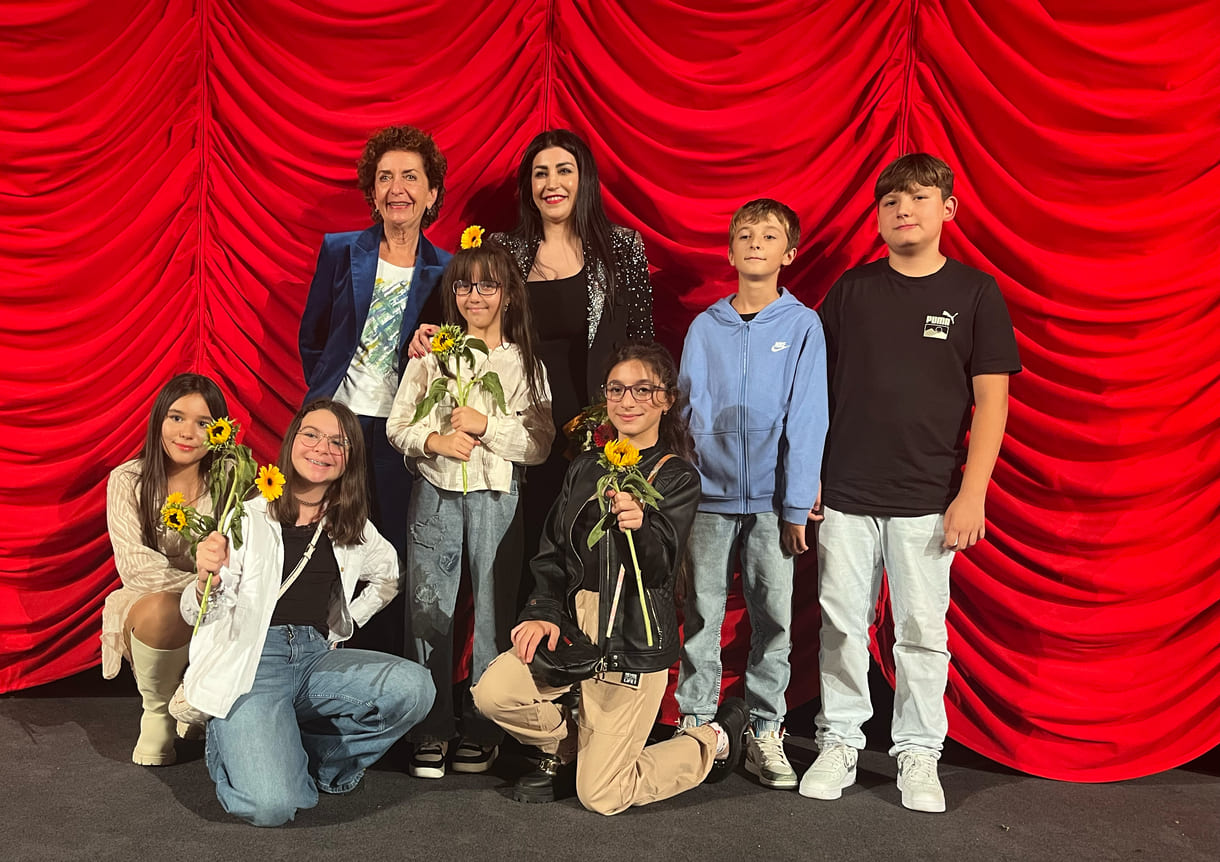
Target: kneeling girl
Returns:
[[291, 714]]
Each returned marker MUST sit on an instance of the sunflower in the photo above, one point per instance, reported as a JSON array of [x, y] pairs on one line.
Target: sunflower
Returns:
[[472, 237], [446, 338], [220, 432], [270, 482], [622, 454], [175, 501], [174, 518]]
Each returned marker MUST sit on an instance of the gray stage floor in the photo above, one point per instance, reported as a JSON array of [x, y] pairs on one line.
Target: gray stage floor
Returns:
[[71, 792]]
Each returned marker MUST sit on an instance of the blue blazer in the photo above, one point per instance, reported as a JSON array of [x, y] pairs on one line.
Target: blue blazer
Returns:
[[339, 300]]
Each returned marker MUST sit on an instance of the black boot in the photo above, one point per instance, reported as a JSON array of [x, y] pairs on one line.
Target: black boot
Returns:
[[539, 785]]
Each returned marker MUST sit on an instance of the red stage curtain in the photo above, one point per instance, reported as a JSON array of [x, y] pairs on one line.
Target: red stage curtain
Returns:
[[169, 169]]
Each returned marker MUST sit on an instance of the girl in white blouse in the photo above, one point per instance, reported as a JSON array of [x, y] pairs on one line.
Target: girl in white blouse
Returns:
[[470, 459]]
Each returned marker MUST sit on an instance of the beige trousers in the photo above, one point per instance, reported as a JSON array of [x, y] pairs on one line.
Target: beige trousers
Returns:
[[615, 768]]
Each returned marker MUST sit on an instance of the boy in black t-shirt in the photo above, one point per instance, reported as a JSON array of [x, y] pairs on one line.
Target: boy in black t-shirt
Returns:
[[913, 342]]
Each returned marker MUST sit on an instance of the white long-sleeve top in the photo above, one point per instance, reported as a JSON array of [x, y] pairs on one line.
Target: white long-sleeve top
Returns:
[[522, 435], [225, 652]]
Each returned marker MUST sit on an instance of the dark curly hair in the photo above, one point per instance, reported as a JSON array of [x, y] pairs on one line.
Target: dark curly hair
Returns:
[[408, 139]]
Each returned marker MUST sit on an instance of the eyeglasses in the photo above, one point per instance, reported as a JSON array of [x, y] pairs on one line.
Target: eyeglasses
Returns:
[[337, 444], [485, 288], [641, 392]]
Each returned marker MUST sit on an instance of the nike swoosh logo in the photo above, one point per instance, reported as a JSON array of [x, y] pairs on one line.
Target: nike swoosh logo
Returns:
[[778, 346]]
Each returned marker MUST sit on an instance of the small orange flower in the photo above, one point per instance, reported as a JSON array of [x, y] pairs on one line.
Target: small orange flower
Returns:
[[270, 482]]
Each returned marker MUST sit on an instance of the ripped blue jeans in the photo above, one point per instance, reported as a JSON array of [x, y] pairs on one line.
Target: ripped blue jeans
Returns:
[[487, 524]]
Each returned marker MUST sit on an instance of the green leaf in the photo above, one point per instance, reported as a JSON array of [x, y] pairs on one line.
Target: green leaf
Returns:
[[476, 344], [492, 386], [437, 391], [599, 529]]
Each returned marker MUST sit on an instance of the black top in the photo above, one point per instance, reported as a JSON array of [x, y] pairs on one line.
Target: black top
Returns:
[[307, 602], [560, 314], [901, 354]]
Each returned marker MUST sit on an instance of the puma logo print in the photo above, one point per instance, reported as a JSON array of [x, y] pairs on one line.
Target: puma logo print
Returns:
[[937, 325]]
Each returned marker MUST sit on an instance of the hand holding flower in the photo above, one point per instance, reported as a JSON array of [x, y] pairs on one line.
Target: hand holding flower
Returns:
[[457, 444], [627, 507], [211, 554], [469, 420]]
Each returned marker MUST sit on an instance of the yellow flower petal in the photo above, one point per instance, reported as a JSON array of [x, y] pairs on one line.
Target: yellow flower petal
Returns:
[[174, 518], [472, 237], [175, 500], [220, 432], [270, 482]]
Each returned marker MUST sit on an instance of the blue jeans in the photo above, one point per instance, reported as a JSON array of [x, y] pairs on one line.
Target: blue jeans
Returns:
[[314, 719], [852, 552], [488, 525], [766, 580]]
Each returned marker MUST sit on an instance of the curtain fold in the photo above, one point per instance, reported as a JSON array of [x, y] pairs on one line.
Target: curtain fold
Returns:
[[170, 169]]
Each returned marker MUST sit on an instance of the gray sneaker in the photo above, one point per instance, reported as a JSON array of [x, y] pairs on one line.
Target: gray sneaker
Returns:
[[834, 770], [765, 758], [920, 786]]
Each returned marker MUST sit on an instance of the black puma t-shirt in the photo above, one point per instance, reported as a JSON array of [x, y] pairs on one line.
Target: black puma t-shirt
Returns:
[[901, 355]]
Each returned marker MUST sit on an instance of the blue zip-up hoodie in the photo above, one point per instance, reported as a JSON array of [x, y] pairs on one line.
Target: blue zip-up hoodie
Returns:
[[758, 407]]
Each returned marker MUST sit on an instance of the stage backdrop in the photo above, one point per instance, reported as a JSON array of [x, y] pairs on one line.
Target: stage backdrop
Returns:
[[167, 170]]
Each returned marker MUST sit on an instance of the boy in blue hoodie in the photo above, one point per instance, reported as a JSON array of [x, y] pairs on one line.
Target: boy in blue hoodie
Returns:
[[754, 365]]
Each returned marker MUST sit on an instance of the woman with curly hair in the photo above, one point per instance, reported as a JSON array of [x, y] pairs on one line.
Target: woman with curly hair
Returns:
[[368, 293]]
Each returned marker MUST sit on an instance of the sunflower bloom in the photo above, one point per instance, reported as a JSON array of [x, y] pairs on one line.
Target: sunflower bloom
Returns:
[[622, 454], [472, 237], [174, 518], [175, 501], [220, 432], [448, 338], [270, 482]]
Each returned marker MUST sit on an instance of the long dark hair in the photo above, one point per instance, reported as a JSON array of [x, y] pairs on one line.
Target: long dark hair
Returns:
[[589, 218], [347, 499], [674, 430], [494, 263], [152, 487]]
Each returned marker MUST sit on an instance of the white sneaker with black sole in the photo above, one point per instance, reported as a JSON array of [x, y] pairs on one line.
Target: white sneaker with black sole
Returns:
[[471, 758], [765, 758], [429, 760]]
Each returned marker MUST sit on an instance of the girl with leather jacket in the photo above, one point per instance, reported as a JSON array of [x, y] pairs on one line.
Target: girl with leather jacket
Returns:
[[607, 733]]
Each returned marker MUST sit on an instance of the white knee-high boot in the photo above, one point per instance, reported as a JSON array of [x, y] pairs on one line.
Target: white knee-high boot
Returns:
[[157, 673]]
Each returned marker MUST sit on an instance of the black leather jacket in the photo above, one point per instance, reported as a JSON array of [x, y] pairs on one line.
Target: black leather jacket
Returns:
[[660, 544]]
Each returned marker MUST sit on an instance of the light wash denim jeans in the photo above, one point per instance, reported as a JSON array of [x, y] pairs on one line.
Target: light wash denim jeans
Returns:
[[314, 719], [488, 524], [852, 551], [766, 580]]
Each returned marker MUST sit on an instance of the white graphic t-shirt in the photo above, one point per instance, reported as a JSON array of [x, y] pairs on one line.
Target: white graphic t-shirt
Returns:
[[371, 381]]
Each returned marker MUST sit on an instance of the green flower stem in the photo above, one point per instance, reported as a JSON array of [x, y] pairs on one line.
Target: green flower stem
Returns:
[[203, 606], [462, 393], [639, 583]]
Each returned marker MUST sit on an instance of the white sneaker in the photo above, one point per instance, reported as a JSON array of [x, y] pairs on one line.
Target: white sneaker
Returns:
[[429, 760], [765, 758], [920, 786], [834, 770]]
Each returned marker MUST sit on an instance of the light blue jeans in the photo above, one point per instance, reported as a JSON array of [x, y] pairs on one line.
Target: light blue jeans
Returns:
[[488, 524], [314, 719], [852, 551], [766, 579]]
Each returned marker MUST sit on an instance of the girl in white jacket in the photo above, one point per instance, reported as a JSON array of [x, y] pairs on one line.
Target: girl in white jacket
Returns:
[[291, 714]]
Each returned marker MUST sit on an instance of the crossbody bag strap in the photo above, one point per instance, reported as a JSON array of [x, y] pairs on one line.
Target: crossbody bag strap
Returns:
[[300, 567]]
